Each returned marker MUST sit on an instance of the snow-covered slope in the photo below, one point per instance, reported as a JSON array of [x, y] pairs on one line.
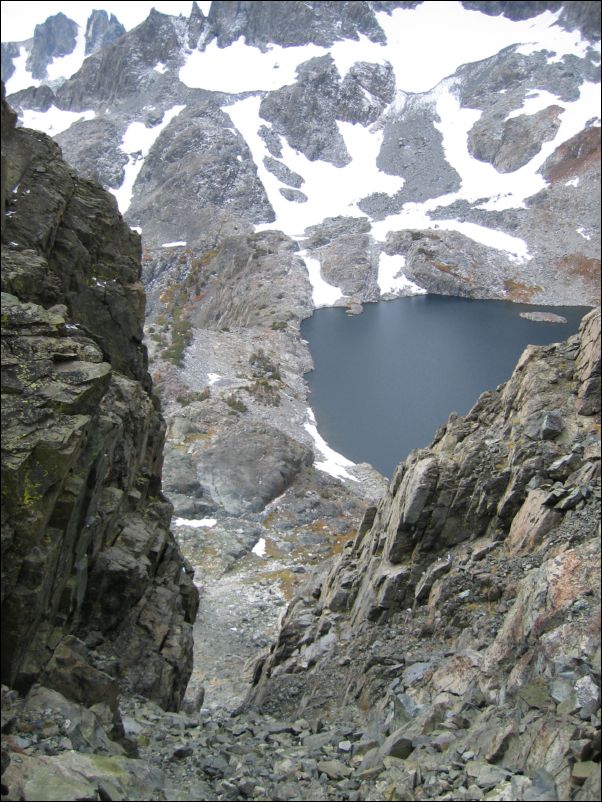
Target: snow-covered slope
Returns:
[[430, 117]]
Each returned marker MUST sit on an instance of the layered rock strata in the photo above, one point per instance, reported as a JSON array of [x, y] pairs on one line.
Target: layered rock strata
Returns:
[[94, 589]]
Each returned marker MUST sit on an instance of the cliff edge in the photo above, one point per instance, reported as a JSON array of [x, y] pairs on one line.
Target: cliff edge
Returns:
[[95, 592]]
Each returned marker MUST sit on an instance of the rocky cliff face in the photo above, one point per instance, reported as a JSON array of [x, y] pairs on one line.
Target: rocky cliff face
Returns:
[[465, 615], [94, 589]]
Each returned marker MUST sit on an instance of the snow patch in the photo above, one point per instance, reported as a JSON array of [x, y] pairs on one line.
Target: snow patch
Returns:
[[212, 378], [242, 68], [391, 278], [54, 121], [137, 142], [21, 77], [584, 233], [574, 182], [66, 66], [323, 293], [195, 523], [173, 244], [333, 463], [160, 67], [476, 36], [259, 547]]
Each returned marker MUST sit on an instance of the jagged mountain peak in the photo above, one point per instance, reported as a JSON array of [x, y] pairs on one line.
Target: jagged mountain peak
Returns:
[[401, 126], [101, 30], [55, 37]]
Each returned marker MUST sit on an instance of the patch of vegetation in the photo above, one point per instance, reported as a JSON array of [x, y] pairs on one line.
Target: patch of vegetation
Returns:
[[519, 291], [265, 392], [181, 337], [187, 398], [263, 367], [235, 403], [278, 325]]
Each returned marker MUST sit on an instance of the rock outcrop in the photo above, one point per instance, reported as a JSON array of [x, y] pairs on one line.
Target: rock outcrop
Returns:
[[464, 618], [95, 592]]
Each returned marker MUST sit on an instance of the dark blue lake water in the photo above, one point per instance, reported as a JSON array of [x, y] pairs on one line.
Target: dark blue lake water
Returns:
[[385, 380]]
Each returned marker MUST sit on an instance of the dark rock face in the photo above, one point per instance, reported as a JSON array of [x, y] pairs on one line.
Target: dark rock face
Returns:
[[412, 148], [284, 24], [512, 143], [39, 98], [256, 277], [85, 537], [93, 147], [9, 51], [101, 30], [115, 71], [219, 174], [305, 113], [347, 255], [449, 263], [54, 38]]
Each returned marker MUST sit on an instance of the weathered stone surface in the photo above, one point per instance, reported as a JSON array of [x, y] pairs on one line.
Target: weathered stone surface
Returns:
[[511, 143], [84, 525], [249, 465], [532, 522], [217, 172], [276, 22], [93, 147], [305, 112], [74, 775]]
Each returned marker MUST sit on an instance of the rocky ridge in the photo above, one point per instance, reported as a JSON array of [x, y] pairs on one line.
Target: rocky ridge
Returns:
[[464, 618], [199, 183], [95, 593]]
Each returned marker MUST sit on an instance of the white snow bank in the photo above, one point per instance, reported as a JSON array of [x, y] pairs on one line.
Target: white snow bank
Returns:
[[259, 547], [21, 77], [195, 523], [323, 293], [333, 463], [242, 68], [391, 278], [173, 244], [458, 36], [54, 121]]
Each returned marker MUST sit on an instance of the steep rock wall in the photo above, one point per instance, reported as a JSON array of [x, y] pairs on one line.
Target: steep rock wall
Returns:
[[93, 582]]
